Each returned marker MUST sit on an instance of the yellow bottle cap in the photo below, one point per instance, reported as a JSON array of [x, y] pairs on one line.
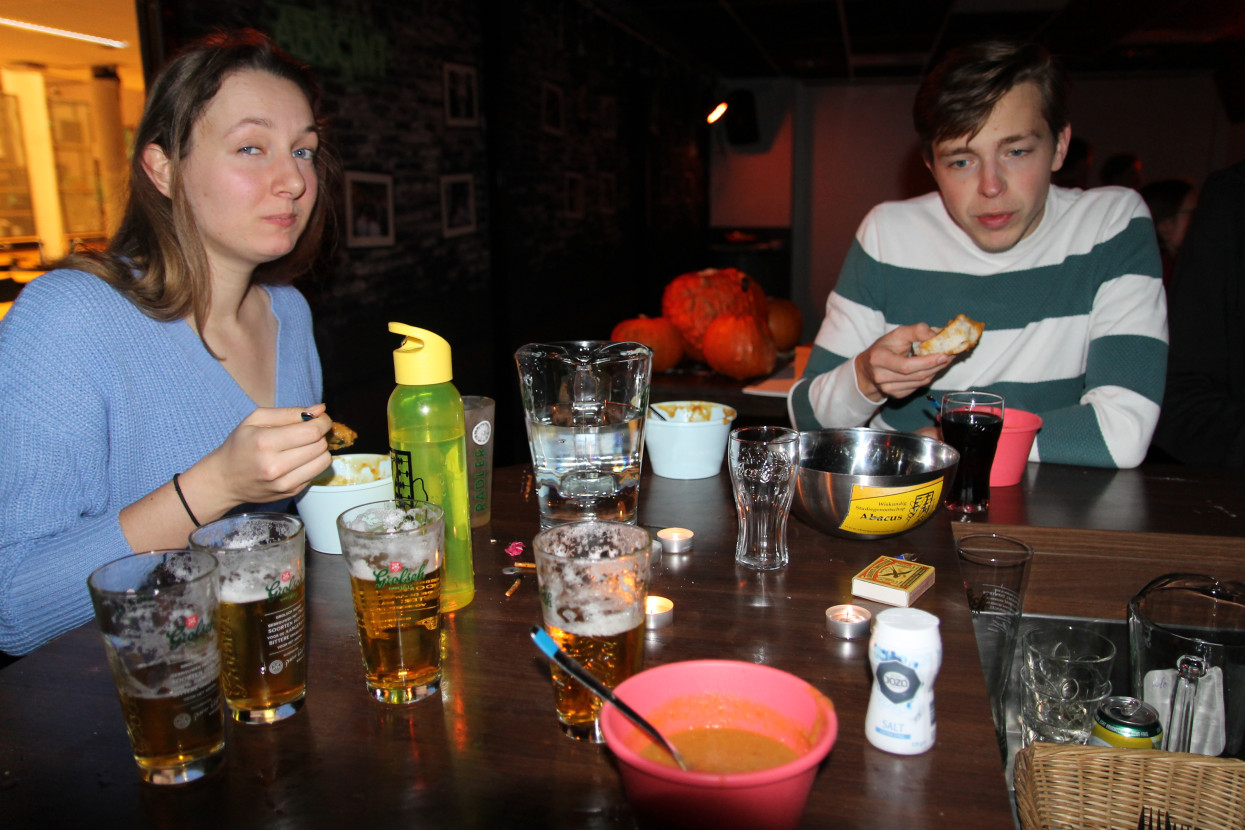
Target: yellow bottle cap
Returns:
[[423, 358]]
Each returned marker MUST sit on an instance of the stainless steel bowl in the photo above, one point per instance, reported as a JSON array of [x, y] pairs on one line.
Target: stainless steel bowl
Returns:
[[869, 483]]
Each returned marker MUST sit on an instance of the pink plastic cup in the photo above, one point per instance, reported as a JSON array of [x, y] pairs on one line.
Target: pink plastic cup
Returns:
[[680, 696], [1019, 429]]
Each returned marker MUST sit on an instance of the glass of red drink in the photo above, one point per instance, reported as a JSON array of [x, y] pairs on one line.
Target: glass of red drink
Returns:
[[971, 422]]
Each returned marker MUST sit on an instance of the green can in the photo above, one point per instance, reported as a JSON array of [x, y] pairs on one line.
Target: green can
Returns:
[[1128, 723]]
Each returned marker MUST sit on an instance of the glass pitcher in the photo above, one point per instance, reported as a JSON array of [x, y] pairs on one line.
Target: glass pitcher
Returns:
[[585, 403], [1187, 645]]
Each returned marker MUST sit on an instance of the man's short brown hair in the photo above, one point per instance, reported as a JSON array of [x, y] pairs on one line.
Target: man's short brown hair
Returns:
[[957, 97]]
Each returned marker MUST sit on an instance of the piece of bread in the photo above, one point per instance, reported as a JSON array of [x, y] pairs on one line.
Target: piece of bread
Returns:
[[340, 437], [958, 335]]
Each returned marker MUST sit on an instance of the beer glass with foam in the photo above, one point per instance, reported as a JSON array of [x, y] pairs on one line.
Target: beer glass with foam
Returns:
[[593, 583], [157, 614], [394, 551], [262, 621]]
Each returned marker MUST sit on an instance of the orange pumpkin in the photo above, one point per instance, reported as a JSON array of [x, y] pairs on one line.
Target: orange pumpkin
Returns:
[[786, 323], [659, 334], [692, 301], [740, 346]]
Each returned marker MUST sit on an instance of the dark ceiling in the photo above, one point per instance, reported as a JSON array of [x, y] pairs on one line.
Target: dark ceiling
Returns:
[[858, 40]]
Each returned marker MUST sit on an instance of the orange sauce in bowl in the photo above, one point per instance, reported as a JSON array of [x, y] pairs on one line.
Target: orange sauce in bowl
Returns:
[[723, 750]]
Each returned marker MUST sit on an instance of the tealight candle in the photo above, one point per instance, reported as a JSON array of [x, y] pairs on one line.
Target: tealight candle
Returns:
[[848, 622], [658, 612], [676, 539]]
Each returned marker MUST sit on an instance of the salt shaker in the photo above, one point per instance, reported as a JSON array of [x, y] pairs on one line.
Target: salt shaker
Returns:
[[905, 652]]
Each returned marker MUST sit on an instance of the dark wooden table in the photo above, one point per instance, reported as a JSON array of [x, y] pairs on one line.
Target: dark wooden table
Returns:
[[489, 754]]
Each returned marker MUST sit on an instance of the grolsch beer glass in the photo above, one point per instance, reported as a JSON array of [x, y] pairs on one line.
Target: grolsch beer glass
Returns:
[[157, 614], [593, 583], [262, 625], [394, 551]]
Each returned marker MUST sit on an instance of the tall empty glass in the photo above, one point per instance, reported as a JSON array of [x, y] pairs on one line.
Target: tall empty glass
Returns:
[[157, 614], [262, 621], [995, 570], [763, 462], [584, 404], [394, 551]]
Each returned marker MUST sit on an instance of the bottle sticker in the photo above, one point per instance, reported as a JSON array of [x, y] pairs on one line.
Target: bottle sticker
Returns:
[[405, 484], [886, 510], [898, 682]]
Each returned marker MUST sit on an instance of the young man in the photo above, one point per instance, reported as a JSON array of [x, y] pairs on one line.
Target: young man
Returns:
[[1067, 282]]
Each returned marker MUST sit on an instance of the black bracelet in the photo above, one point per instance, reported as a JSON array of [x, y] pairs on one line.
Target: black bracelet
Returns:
[[180, 495]]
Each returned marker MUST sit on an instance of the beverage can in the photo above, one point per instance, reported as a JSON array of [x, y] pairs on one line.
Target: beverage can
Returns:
[[905, 653], [1128, 723]]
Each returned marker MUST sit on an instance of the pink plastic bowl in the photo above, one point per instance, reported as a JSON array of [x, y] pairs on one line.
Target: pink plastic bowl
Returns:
[[666, 796], [1019, 430]]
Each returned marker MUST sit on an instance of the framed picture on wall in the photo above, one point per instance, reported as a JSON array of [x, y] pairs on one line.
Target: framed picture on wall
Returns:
[[458, 204], [369, 209], [551, 117], [574, 206], [461, 96]]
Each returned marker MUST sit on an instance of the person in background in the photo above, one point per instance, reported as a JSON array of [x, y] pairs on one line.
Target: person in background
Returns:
[[1067, 282], [173, 377], [1203, 420], [1171, 203], [1122, 170], [1077, 163]]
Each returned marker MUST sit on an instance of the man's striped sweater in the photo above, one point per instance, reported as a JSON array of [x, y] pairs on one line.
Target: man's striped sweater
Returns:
[[1076, 322]]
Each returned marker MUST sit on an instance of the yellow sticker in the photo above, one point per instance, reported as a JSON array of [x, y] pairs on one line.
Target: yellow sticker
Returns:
[[882, 510]]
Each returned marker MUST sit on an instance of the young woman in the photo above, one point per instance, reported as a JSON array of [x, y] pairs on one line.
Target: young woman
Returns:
[[174, 377]]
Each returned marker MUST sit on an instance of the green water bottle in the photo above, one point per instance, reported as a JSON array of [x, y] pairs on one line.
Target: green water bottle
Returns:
[[429, 451]]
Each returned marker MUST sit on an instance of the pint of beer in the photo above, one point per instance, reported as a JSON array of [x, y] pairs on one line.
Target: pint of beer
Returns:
[[262, 620], [593, 582], [157, 614], [394, 551]]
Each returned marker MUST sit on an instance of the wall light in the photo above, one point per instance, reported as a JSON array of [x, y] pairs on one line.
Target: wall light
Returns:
[[48, 30], [717, 113]]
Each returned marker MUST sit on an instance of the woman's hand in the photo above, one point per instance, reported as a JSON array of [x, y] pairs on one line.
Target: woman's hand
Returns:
[[887, 369], [271, 455]]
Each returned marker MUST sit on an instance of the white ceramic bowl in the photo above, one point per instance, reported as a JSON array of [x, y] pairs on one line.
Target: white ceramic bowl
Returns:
[[691, 443], [365, 478]]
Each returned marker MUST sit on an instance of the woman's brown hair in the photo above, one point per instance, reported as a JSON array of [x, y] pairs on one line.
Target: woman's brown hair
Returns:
[[156, 258]]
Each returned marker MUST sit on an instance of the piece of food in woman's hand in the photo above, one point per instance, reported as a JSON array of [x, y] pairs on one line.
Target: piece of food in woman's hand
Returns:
[[340, 437], [958, 335]]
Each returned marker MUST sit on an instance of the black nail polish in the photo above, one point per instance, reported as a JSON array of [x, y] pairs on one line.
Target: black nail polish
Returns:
[[307, 416]]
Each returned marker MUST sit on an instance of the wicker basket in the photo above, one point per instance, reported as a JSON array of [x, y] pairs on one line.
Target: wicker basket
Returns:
[[1096, 788]]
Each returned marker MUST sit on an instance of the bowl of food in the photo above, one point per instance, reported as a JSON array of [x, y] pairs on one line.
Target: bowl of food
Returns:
[[753, 737], [687, 439], [869, 483], [352, 480]]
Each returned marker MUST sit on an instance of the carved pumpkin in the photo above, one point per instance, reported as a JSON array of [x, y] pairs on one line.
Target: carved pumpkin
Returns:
[[740, 346], [692, 301], [658, 333], [785, 323]]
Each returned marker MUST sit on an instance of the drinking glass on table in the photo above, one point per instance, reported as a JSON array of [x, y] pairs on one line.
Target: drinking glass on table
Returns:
[[1065, 675], [157, 614], [763, 462], [971, 422], [262, 621], [394, 551], [593, 583]]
